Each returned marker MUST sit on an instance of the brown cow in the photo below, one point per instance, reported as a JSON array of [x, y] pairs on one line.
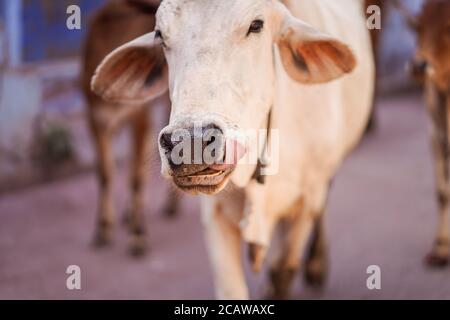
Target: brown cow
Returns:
[[432, 67], [118, 22]]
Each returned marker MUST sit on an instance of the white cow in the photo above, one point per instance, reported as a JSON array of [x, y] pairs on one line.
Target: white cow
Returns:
[[249, 64]]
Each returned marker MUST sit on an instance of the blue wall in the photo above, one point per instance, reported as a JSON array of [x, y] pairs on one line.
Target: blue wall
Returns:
[[2, 9], [45, 35], [398, 41]]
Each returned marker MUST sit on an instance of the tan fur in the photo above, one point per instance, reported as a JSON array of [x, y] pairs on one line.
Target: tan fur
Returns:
[[431, 66], [439, 111], [118, 22], [433, 30]]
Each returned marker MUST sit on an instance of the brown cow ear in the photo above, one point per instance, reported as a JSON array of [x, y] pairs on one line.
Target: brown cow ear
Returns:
[[310, 56], [144, 6], [133, 73]]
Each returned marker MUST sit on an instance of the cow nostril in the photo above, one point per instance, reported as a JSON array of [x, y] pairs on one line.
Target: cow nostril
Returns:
[[211, 133], [210, 140], [212, 126], [196, 141], [212, 136], [166, 142]]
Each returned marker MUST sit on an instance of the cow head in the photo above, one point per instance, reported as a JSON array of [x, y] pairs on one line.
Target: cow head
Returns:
[[432, 27], [222, 64]]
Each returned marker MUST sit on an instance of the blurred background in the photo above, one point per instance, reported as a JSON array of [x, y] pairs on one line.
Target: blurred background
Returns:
[[48, 190]]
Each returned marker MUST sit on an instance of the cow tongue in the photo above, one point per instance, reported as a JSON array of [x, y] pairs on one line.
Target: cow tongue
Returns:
[[234, 152], [184, 171]]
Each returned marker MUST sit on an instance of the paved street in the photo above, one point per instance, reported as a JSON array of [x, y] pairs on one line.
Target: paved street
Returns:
[[382, 211]]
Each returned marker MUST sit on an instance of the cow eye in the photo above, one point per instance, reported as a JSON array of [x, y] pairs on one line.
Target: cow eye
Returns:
[[256, 27]]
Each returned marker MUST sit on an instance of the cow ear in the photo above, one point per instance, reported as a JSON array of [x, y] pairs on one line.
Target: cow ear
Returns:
[[133, 73], [310, 56], [144, 6]]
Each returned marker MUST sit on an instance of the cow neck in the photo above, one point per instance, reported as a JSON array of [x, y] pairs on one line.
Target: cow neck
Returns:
[[262, 163]]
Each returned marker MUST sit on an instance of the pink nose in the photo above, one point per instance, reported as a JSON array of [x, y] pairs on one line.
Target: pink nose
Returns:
[[234, 151]]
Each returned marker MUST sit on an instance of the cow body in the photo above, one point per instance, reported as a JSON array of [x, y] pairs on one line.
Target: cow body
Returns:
[[431, 66], [318, 126], [116, 23], [434, 51], [230, 72]]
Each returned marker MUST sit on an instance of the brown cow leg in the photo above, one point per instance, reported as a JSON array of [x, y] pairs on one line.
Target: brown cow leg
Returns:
[[136, 219], [438, 110], [316, 259], [293, 238], [105, 171]]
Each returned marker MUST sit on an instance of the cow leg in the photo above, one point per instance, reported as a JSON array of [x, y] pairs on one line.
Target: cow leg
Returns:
[[294, 235], [439, 113], [136, 218], [223, 241], [171, 206], [105, 171], [316, 259]]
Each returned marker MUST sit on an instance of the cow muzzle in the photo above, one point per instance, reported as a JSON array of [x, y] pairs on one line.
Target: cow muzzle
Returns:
[[201, 157]]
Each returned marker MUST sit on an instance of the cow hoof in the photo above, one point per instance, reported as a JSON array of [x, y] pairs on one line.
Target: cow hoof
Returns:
[[138, 247], [171, 210], [280, 284], [315, 274], [436, 260], [102, 239], [315, 279], [126, 219], [257, 255], [439, 255]]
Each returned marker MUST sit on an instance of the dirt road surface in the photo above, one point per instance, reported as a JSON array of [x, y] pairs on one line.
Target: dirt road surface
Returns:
[[382, 211]]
